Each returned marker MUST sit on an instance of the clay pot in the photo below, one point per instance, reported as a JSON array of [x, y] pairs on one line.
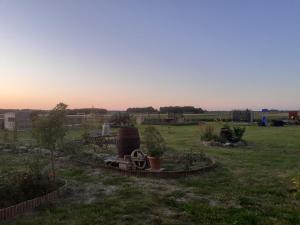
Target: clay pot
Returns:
[[154, 163]]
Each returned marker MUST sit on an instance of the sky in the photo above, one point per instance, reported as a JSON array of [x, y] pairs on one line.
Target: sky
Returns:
[[115, 54]]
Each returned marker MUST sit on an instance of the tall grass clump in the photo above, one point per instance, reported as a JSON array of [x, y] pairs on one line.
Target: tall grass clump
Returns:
[[208, 134]]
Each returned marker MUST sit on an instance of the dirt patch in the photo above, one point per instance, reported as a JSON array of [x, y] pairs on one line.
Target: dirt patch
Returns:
[[87, 193]]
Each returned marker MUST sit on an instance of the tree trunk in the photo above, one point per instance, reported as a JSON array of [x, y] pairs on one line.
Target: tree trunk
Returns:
[[52, 164]]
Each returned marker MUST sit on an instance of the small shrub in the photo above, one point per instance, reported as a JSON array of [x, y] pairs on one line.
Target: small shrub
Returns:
[[85, 136], [36, 167], [238, 133], [72, 147], [209, 134], [154, 142]]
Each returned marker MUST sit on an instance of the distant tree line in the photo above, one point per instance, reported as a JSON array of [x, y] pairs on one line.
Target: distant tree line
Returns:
[[180, 109], [86, 111], [142, 110], [168, 109], [150, 109]]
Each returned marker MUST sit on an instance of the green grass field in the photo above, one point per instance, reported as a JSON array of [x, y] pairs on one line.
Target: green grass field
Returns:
[[224, 115], [250, 185]]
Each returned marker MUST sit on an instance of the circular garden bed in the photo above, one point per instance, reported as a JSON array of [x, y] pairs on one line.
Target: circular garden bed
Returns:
[[173, 166]]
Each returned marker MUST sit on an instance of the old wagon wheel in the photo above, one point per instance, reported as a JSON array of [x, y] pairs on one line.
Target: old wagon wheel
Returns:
[[138, 159]]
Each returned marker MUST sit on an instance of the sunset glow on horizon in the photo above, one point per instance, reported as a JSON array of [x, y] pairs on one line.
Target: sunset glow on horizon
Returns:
[[121, 54]]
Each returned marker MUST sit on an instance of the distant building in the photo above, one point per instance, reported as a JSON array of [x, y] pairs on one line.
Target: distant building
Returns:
[[1, 121], [75, 120], [242, 116], [78, 120], [9, 121], [24, 120], [21, 120]]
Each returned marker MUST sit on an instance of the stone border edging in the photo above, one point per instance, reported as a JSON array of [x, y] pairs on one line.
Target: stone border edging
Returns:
[[161, 174], [15, 210]]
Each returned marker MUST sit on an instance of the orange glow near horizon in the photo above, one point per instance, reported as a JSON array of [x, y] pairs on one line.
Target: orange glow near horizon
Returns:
[[42, 102]]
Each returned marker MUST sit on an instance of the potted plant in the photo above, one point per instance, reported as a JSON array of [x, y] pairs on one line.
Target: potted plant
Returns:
[[155, 146]]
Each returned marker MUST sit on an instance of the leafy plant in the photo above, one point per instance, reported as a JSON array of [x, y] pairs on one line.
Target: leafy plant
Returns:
[[35, 167], [72, 147], [238, 133], [154, 142], [85, 136]]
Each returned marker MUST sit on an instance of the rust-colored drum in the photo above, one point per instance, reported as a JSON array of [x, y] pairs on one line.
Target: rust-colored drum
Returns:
[[128, 140]]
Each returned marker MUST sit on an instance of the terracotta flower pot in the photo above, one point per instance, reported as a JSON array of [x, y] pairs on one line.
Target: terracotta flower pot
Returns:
[[154, 163]]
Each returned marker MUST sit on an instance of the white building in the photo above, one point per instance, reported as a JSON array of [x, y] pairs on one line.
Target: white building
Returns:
[[1, 121], [9, 121]]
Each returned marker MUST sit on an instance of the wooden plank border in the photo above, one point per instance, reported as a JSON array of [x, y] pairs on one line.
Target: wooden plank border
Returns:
[[22, 207]]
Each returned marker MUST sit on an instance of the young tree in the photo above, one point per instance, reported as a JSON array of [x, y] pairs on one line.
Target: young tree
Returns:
[[50, 130], [15, 135]]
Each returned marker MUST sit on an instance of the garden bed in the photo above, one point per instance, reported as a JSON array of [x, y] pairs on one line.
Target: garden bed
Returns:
[[25, 183], [225, 145], [16, 187], [170, 168], [227, 137], [30, 204]]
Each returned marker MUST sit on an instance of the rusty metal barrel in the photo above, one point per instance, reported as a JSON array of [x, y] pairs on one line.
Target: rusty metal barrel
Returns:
[[128, 140], [226, 134]]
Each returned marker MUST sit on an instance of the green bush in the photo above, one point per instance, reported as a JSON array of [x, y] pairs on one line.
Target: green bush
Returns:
[[238, 133], [154, 142], [72, 147], [85, 136]]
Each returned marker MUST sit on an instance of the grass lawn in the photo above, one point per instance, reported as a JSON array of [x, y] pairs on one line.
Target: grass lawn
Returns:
[[226, 115], [251, 185]]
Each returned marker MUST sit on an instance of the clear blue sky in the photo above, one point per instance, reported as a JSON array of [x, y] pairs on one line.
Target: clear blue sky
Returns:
[[221, 54]]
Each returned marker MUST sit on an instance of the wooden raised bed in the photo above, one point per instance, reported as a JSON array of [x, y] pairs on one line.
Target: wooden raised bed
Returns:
[[22, 207]]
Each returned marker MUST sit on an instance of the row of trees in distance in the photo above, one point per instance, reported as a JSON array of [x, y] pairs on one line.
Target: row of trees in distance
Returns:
[[167, 109]]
